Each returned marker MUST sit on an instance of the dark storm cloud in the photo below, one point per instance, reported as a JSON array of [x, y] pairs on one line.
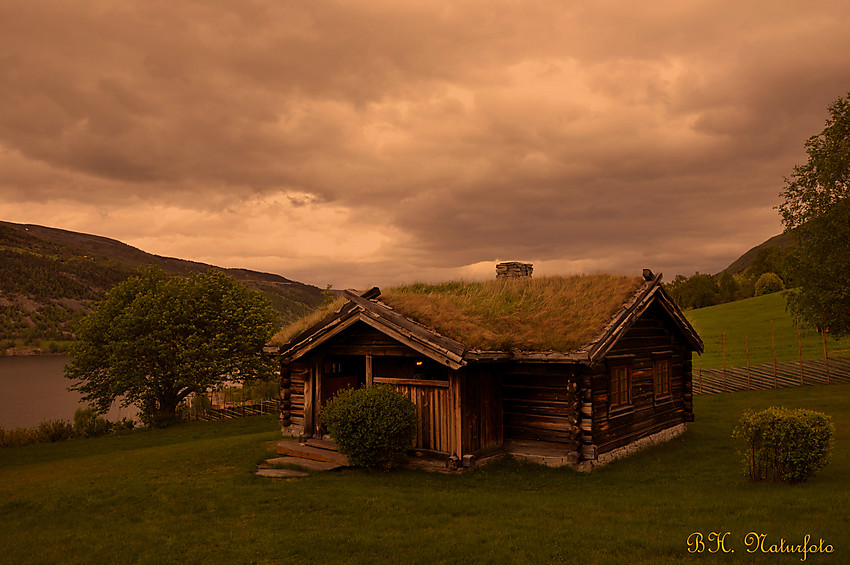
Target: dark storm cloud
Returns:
[[379, 139]]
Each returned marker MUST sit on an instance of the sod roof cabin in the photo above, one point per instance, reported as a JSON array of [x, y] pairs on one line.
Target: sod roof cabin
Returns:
[[562, 370]]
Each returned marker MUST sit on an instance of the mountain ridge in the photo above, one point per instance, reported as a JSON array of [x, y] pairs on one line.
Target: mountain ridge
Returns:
[[51, 276], [782, 241]]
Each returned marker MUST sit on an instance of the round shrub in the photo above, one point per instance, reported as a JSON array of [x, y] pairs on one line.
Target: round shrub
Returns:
[[784, 444], [373, 426], [768, 283], [50, 431], [87, 423]]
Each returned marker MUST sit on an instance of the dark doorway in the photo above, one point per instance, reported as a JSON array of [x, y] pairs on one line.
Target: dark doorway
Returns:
[[340, 373]]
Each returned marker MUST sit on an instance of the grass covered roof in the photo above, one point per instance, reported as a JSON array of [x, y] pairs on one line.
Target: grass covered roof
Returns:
[[559, 313]]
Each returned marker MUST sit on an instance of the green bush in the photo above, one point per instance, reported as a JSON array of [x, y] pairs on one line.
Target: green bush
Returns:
[[768, 283], [373, 426], [785, 444], [87, 423], [50, 431], [200, 403], [16, 437], [124, 424]]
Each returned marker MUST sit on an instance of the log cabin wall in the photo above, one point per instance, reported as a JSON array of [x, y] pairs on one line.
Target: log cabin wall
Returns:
[[293, 378], [482, 417], [541, 402], [362, 339], [651, 338]]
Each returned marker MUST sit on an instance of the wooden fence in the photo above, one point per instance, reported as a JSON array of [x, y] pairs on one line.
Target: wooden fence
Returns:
[[250, 408], [772, 375]]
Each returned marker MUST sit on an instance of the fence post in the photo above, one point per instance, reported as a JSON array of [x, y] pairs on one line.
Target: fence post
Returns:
[[800, 350], [748, 363], [773, 347], [700, 374], [723, 337], [825, 354]]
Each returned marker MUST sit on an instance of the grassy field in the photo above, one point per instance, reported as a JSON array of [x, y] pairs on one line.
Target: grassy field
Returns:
[[189, 495], [750, 319]]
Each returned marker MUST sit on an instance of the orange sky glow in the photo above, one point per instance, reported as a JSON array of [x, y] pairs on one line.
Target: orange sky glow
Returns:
[[377, 142]]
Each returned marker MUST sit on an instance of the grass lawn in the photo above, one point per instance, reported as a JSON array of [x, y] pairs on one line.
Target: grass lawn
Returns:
[[750, 319], [189, 495]]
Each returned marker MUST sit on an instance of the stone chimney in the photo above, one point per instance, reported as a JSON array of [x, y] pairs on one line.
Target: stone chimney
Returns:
[[513, 270]]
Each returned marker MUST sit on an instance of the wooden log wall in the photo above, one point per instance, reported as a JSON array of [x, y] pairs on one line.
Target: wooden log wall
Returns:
[[285, 397], [482, 417], [688, 385], [362, 339], [541, 402], [651, 333], [292, 382], [587, 447]]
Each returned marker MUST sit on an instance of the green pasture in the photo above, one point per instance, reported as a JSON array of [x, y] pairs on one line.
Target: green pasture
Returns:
[[748, 323], [189, 495]]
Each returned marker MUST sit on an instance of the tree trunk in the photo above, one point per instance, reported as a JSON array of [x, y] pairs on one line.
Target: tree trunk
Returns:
[[166, 413]]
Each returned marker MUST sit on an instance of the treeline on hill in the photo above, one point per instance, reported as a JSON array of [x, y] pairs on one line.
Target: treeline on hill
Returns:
[[50, 278], [766, 273], [44, 287]]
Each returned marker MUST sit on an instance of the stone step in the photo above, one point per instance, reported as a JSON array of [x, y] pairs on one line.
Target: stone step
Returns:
[[295, 449], [281, 473], [328, 444], [311, 464]]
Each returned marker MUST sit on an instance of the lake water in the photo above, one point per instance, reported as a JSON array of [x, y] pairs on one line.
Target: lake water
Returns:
[[34, 389]]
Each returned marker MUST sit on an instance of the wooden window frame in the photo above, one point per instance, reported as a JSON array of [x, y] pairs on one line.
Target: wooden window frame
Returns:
[[662, 361], [620, 371]]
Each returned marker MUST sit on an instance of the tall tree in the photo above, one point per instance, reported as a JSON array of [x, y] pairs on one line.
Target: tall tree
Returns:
[[816, 210], [697, 291], [155, 339]]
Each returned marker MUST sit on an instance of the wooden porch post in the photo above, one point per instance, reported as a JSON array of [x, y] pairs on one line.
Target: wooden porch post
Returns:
[[368, 370], [456, 417]]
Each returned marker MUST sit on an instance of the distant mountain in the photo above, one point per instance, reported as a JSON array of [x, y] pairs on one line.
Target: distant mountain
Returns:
[[49, 276], [783, 242]]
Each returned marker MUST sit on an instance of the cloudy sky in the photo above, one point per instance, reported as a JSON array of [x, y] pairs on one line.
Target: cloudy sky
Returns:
[[383, 141]]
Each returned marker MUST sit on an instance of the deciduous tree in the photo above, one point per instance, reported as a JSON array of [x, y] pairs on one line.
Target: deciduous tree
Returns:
[[155, 339], [816, 209]]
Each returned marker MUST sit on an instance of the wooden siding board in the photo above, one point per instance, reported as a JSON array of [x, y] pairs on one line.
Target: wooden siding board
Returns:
[[432, 415]]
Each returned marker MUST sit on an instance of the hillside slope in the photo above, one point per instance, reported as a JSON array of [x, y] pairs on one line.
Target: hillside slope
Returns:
[[782, 241], [762, 324], [49, 276]]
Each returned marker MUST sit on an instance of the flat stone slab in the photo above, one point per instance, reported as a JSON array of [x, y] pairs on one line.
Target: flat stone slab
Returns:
[[295, 449], [281, 473], [311, 464]]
